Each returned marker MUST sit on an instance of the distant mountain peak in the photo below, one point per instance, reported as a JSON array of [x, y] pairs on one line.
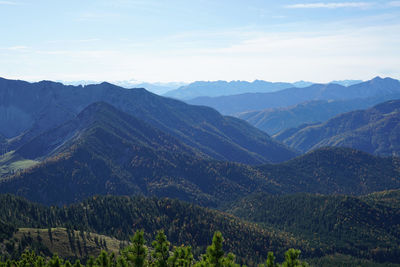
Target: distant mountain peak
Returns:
[[221, 88]]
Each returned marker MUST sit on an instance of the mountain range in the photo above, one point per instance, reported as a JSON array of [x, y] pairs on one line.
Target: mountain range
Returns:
[[233, 104], [224, 88], [85, 149], [157, 87], [106, 151], [375, 130], [221, 88], [276, 120], [30, 109]]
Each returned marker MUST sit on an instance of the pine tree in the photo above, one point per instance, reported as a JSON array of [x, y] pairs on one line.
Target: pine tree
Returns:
[[90, 262], [229, 261], [292, 259], [55, 261], [103, 260], [40, 262], [78, 264], [270, 260], [161, 250], [182, 257], [215, 253], [136, 253], [121, 262]]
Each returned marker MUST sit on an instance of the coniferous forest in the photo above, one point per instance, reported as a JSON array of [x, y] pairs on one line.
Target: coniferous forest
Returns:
[[136, 253], [316, 225]]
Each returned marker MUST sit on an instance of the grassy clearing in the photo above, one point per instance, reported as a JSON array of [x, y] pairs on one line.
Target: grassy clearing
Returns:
[[73, 244], [11, 163]]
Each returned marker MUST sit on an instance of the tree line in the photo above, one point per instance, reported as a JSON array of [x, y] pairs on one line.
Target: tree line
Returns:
[[159, 254]]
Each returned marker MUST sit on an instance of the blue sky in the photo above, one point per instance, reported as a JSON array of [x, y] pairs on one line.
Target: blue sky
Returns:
[[175, 40]]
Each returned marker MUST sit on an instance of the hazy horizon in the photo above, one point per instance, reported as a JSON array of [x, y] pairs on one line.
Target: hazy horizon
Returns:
[[161, 83]]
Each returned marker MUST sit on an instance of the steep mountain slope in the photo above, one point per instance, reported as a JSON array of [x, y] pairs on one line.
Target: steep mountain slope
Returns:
[[220, 88], [375, 130], [183, 223], [335, 171], [97, 117], [358, 226], [106, 151], [37, 107], [259, 101], [276, 120]]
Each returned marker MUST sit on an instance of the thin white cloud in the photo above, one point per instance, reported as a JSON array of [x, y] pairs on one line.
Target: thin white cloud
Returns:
[[394, 3], [8, 3], [93, 16], [15, 48], [75, 41], [331, 5]]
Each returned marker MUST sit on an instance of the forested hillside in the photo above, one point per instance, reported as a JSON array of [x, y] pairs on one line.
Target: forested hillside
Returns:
[[159, 254], [331, 170], [105, 161], [183, 223], [105, 151], [365, 227]]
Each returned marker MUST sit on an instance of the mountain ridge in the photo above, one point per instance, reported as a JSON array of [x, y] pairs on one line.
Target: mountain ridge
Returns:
[[220, 88], [41, 106], [336, 170], [106, 151], [275, 120], [233, 104], [374, 130], [112, 152]]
